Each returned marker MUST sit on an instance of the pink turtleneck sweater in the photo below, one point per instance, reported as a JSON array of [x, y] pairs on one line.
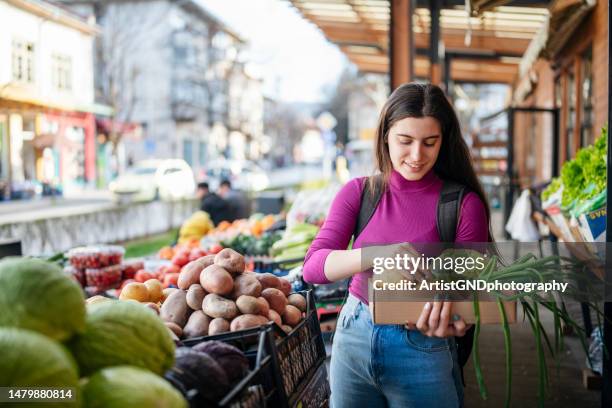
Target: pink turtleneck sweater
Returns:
[[405, 213]]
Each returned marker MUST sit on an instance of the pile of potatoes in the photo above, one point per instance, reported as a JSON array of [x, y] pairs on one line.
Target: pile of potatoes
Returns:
[[216, 295]]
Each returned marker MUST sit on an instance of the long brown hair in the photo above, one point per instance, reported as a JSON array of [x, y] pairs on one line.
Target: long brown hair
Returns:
[[414, 100]]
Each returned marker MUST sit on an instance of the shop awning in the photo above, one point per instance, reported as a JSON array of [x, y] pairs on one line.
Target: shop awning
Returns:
[[361, 29], [565, 16]]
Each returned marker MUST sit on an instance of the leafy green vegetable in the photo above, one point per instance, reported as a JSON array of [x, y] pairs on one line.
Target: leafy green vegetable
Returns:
[[585, 176]]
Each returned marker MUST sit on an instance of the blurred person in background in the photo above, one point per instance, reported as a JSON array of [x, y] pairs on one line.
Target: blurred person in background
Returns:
[[236, 200], [210, 202]]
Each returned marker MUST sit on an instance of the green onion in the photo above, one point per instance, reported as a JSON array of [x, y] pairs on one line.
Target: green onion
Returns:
[[508, 349], [475, 352]]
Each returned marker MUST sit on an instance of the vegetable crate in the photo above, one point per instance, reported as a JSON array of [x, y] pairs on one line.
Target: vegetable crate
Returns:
[[315, 392], [261, 386], [302, 351], [280, 369]]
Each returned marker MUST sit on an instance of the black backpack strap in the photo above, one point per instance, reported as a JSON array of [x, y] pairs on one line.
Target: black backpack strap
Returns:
[[449, 205], [447, 219], [368, 204]]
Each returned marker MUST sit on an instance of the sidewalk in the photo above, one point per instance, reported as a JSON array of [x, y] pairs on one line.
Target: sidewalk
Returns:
[[566, 389]]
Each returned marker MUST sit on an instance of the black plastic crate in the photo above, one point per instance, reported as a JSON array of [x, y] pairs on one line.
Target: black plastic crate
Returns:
[[301, 351], [281, 364], [315, 392], [260, 387]]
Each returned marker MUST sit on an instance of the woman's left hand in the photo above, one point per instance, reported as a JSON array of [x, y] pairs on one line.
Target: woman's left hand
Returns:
[[436, 321]]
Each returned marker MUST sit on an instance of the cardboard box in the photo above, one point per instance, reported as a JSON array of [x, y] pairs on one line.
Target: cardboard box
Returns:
[[402, 311]]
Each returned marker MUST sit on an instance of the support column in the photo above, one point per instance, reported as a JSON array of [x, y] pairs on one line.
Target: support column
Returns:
[[401, 43], [435, 70]]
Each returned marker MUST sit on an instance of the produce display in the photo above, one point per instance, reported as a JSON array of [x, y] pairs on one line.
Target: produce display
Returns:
[[294, 243], [253, 245], [582, 178], [50, 337], [196, 226], [215, 294], [96, 257]]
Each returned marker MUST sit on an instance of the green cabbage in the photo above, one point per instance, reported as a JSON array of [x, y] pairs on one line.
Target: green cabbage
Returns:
[[127, 387], [123, 333], [30, 359], [37, 295]]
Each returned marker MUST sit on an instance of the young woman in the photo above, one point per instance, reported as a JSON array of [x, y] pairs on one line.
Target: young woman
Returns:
[[418, 145]]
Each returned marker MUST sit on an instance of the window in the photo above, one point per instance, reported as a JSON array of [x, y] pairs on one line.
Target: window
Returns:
[[587, 113], [203, 153], [23, 61], [62, 72], [188, 151]]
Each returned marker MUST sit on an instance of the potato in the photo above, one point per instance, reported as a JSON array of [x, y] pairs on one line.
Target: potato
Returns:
[[197, 325], [287, 329], [248, 305], [155, 289], [174, 328], [276, 299], [217, 326], [153, 306], [264, 306], [166, 292], [230, 260], [298, 301], [246, 284], [268, 280], [190, 273], [246, 321], [135, 291], [291, 316], [195, 296], [275, 317], [217, 306], [285, 286], [215, 279], [175, 308]]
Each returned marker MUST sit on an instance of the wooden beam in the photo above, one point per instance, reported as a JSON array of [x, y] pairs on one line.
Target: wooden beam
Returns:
[[460, 70], [434, 40], [401, 52]]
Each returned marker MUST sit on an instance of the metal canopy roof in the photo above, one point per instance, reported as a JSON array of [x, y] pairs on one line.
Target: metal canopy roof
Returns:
[[360, 29]]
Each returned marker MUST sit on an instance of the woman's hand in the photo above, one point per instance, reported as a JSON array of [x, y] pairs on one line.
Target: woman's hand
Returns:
[[436, 321]]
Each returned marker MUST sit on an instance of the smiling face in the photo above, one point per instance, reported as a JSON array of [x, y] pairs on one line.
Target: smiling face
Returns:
[[414, 145]]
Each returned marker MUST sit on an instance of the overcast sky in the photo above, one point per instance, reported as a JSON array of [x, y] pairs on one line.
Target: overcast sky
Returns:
[[295, 59]]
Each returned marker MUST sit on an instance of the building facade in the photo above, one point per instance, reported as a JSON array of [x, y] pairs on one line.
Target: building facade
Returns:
[[170, 67], [47, 123]]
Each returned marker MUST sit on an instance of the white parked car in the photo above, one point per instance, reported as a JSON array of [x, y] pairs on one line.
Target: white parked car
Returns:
[[168, 179]]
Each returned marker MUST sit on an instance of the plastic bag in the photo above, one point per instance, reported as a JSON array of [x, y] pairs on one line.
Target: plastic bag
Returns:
[[520, 225], [596, 351]]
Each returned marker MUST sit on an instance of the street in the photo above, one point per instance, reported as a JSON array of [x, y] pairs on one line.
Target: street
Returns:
[[89, 201]]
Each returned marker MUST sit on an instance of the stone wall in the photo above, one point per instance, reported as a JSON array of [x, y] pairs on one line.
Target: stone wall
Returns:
[[106, 224]]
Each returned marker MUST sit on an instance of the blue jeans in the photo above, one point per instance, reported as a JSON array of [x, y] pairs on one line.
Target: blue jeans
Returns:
[[389, 366]]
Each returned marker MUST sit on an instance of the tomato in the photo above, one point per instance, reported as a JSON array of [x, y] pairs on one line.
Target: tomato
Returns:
[[181, 258], [196, 253], [170, 279], [143, 276], [215, 249]]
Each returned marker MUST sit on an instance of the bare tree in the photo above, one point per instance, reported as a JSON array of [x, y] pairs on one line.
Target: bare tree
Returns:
[[117, 71]]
